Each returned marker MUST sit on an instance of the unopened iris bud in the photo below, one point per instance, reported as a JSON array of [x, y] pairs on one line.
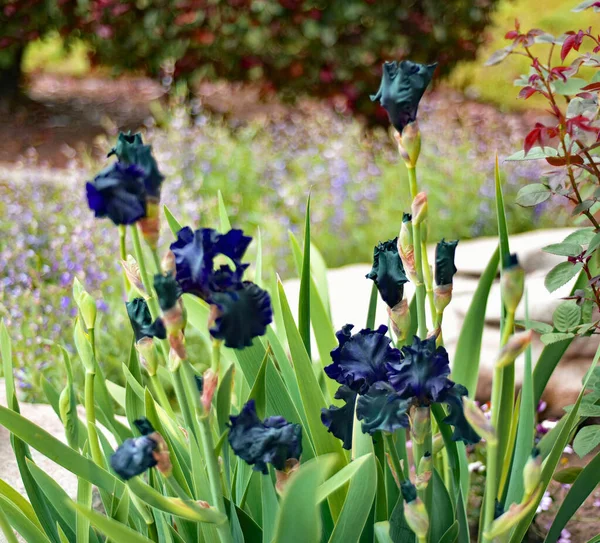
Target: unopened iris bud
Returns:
[[516, 344], [414, 510], [400, 319], [168, 292], [512, 283], [424, 471], [132, 272], [150, 224], [409, 144], [406, 247], [177, 343], [532, 472], [174, 360], [420, 420], [444, 273], [84, 347], [86, 304], [516, 512], [148, 356], [419, 208], [209, 386], [438, 444], [167, 264], [477, 419]]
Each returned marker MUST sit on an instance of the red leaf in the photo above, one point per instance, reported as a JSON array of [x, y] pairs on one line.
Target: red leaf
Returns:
[[591, 87], [531, 139], [567, 46], [526, 92], [562, 161], [511, 35]]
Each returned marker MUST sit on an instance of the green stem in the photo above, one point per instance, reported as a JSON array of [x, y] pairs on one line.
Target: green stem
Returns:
[[123, 255], [491, 482], [214, 477], [161, 395], [491, 468], [156, 259], [216, 355], [422, 539], [395, 460], [419, 450], [420, 287], [90, 417], [152, 301], [182, 398], [427, 274]]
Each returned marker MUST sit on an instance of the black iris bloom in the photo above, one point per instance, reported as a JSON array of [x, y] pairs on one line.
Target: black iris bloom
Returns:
[[423, 371], [244, 313], [361, 359], [141, 320], [444, 262], [402, 87], [195, 252], [130, 149], [135, 455], [384, 383], [388, 272], [118, 192], [258, 443]]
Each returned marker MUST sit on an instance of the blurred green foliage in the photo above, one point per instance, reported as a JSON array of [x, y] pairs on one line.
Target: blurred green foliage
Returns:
[[328, 49]]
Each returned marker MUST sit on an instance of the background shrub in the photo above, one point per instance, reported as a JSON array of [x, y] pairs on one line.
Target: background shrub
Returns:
[[327, 49]]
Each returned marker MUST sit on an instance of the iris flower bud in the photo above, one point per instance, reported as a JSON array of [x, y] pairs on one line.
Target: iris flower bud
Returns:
[[479, 421], [532, 472], [86, 304], [424, 471], [512, 283], [406, 248], [150, 224], [148, 356], [420, 423], [409, 144], [167, 264], [414, 510], [132, 272], [515, 513], [419, 208], [84, 347], [210, 379], [513, 348], [400, 318]]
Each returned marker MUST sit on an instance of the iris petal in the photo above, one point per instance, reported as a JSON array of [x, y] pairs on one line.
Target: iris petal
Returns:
[[258, 443], [444, 262], [118, 193], [402, 87], [340, 420], [133, 457], [423, 371], [243, 314], [141, 320], [388, 272], [456, 417], [362, 359], [382, 409]]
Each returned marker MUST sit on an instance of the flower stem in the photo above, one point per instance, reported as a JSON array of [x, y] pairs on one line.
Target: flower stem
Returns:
[[392, 451], [420, 287], [216, 356], [156, 259], [151, 301], [182, 398], [90, 417], [161, 395], [491, 482], [214, 477], [123, 255], [427, 275]]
